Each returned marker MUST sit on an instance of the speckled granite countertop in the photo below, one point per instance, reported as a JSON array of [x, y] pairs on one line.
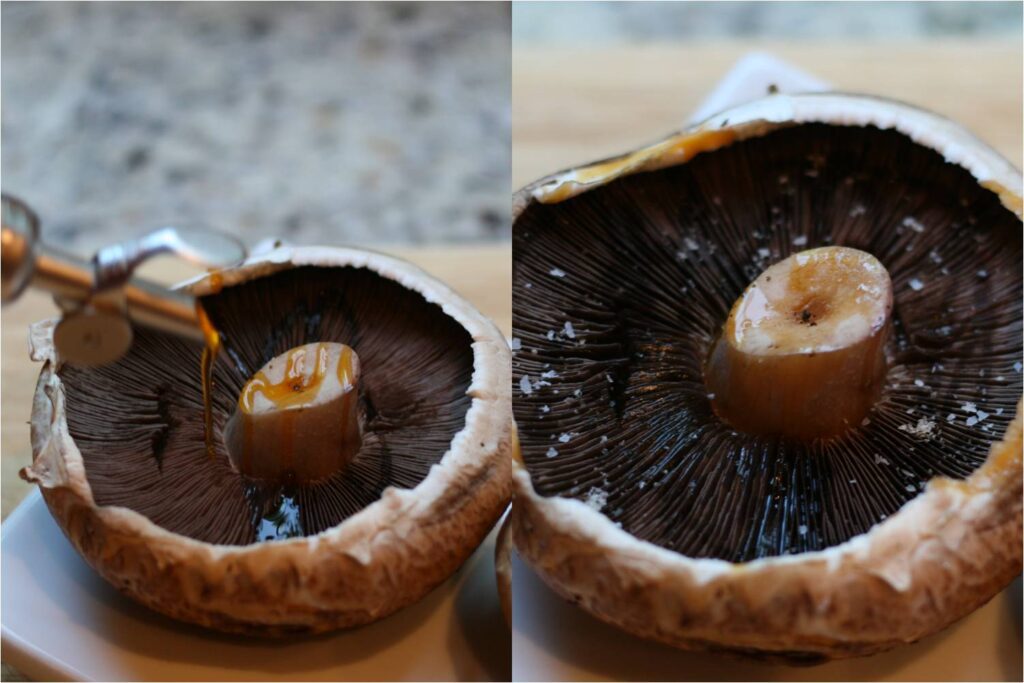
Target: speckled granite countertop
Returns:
[[317, 122]]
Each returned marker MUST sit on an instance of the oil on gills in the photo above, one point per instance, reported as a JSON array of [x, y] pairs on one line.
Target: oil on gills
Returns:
[[138, 421]]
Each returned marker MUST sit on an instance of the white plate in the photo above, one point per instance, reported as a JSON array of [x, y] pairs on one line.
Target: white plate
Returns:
[[60, 620], [553, 640], [750, 78]]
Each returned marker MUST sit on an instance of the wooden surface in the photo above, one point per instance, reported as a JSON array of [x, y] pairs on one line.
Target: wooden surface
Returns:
[[574, 106], [481, 274]]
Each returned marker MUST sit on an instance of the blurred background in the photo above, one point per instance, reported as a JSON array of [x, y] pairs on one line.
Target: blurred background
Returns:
[[592, 79], [337, 123], [593, 23]]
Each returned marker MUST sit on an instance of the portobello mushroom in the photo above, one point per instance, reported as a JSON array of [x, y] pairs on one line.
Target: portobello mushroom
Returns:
[[277, 533], [843, 481]]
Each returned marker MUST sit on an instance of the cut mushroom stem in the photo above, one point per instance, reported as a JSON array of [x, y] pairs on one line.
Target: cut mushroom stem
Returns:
[[297, 419], [802, 352]]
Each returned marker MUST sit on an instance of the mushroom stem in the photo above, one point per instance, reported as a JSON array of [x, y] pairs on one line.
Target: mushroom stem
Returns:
[[801, 354], [297, 419]]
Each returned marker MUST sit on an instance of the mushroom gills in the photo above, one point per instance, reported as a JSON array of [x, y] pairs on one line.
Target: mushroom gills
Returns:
[[644, 271], [140, 426]]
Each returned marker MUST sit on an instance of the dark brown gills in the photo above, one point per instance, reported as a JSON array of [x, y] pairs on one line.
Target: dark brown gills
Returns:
[[619, 292], [139, 422]]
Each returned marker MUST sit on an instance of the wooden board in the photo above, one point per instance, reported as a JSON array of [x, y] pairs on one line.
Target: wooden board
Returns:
[[571, 106], [481, 274]]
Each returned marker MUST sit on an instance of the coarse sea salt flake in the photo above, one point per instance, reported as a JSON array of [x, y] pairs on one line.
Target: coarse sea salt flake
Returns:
[[913, 224], [922, 430], [569, 331], [525, 386], [556, 272], [515, 344], [552, 452], [800, 241], [916, 284], [596, 499]]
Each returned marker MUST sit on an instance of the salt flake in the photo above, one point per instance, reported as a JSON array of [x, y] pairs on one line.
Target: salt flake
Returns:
[[596, 499], [913, 224], [922, 430]]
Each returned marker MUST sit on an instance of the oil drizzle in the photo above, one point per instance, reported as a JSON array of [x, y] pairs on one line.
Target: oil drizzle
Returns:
[[210, 352], [294, 388]]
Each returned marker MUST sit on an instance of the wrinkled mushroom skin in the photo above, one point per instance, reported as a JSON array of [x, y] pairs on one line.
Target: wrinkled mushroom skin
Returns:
[[139, 426], [620, 291]]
